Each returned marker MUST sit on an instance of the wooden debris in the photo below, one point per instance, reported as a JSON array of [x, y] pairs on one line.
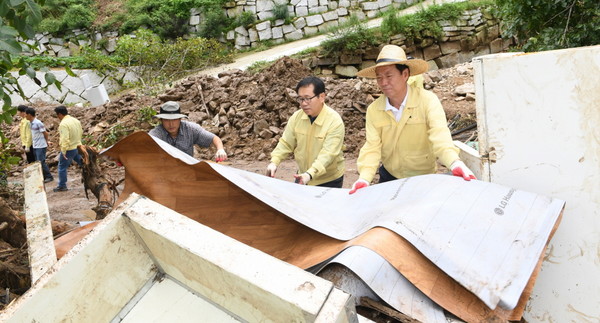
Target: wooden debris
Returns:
[[103, 188]]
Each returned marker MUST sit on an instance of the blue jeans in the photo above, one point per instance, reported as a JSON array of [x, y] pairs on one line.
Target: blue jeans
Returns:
[[63, 164], [40, 155]]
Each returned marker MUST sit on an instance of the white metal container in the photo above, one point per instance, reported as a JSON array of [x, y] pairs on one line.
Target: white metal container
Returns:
[[539, 130]]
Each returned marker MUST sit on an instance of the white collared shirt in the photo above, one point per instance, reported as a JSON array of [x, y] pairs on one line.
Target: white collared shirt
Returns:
[[397, 112]]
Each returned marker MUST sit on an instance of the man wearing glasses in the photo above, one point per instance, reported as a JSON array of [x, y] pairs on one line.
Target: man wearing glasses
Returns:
[[315, 135]]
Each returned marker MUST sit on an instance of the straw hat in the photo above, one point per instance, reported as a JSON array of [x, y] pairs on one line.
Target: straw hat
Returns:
[[392, 55], [170, 110]]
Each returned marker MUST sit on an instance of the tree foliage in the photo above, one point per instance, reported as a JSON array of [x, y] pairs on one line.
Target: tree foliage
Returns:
[[60, 16], [168, 19], [17, 21], [544, 25]]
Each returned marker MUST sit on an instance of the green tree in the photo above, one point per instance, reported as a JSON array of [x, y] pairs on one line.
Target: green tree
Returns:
[[17, 20], [544, 25]]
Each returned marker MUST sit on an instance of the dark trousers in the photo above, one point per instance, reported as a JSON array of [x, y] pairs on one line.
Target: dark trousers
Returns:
[[337, 183], [384, 175], [40, 155], [30, 155]]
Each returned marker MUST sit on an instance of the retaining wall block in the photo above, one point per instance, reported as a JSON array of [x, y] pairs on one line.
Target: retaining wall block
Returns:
[[301, 11], [294, 35], [300, 23], [432, 52], [310, 30], [450, 47], [315, 20], [447, 60], [319, 9]]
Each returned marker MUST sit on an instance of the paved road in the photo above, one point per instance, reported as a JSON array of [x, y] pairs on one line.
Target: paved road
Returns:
[[245, 60]]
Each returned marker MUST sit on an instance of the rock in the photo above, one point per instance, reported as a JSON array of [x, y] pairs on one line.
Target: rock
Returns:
[[259, 125], [464, 89], [435, 76], [266, 134], [463, 70], [274, 130]]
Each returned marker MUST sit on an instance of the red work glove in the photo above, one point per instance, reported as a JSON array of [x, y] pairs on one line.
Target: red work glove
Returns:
[[461, 170], [221, 155], [271, 170], [303, 178], [360, 183]]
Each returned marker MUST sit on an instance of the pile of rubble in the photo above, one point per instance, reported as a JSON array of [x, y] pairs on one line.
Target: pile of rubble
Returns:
[[249, 110]]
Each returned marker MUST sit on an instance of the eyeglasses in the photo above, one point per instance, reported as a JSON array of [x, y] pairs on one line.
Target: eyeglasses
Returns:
[[301, 99]]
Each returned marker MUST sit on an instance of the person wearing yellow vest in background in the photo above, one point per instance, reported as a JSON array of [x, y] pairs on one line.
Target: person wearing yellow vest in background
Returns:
[[315, 135], [25, 134], [70, 132], [406, 128]]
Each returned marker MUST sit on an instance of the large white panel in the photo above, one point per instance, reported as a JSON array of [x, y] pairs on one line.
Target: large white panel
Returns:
[[539, 115]]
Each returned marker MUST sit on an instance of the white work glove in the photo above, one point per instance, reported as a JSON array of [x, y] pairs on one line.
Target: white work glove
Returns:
[[459, 168], [303, 178], [221, 155], [271, 170], [360, 183], [26, 149]]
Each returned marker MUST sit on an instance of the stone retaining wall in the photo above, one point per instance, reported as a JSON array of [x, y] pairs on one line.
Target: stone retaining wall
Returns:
[[309, 17], [475, 34]]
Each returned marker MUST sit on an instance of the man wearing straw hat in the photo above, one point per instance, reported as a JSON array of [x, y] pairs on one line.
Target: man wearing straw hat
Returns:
[[406, 128], [184, 134]]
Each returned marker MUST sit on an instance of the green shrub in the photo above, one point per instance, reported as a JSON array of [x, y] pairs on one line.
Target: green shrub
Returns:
[[51, 25], [8, 158], [351, 35], [156, 62], [280, 11], [78, 17], [214, 23], [114, 134], [90, 59], [258, 66], [61, 16], [146, 114], [246, 19], [167, 19], [544, 25], [424, 22]]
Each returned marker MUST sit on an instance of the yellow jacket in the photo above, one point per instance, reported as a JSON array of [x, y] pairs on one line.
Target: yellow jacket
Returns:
[[70, 133], [25, 133], [408, 147], [317, 147]]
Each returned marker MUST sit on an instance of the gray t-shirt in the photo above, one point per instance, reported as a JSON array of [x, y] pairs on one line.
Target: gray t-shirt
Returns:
[[189, 134], [37, 134]]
